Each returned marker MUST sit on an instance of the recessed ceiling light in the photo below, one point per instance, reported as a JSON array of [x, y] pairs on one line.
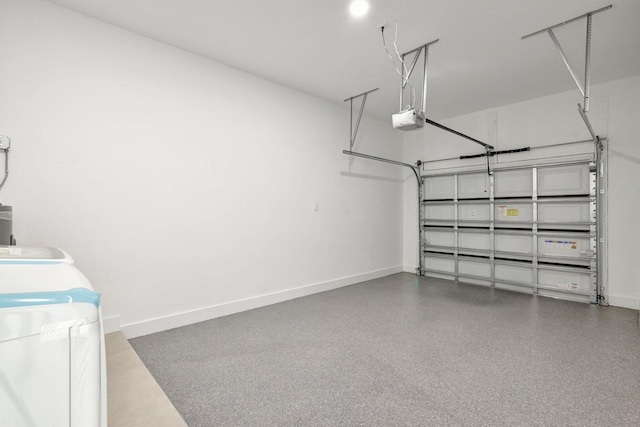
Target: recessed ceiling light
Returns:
[[359, 8]]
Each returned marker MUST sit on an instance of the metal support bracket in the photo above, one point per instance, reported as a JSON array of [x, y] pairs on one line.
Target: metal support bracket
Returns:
[[584, 89], [354, 132], [406, 73], [596, 138]]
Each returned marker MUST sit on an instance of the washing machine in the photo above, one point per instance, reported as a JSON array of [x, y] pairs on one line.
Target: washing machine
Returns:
[[52, 352]]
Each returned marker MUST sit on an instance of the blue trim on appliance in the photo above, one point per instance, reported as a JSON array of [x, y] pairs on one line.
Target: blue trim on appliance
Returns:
[[27, 299]]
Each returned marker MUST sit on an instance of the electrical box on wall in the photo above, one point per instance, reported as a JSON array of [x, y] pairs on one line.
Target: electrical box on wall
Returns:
[[408, 120]]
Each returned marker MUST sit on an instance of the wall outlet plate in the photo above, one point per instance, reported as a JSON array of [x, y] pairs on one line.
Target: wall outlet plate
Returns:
[[5, 142]]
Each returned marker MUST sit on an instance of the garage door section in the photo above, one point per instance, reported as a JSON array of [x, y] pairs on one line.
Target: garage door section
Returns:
[[528, 229]]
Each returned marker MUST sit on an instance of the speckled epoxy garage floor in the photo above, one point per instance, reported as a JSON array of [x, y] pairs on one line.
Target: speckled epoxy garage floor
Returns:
[[404, 350]]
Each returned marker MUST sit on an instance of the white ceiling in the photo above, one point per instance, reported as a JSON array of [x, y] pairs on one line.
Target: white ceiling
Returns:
[[315, 46]]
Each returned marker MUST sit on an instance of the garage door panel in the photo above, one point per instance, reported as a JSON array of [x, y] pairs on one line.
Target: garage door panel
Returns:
[[519, 243], [514, 288], [440, 238], [508, 213], [439, 188], [564, 180], [571, 296], [442, 265], [439, 212], [474, 186], [513, 183], [474, 212], [513, 273], [474, 240], [563, 214], [472, 271], [571, 246], [566, 280]]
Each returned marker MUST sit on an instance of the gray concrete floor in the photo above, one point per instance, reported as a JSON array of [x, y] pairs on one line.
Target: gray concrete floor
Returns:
[[404, 350]]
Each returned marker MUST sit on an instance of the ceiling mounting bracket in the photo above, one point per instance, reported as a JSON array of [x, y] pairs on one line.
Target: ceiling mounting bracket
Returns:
[[583, 88], [406, 73], [354, 132]]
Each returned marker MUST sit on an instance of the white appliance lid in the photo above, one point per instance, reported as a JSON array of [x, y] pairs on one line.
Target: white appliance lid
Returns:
[[20, 254]]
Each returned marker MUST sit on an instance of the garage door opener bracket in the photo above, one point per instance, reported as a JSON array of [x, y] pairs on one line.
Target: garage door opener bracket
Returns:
[[409, 118]]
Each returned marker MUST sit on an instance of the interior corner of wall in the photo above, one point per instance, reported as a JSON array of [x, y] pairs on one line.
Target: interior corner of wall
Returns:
[[624, 302], [409, 269], [111, 324]]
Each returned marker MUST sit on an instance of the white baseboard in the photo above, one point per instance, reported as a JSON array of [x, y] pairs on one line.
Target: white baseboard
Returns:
[[164, 323], [111, 324], [624, 302]]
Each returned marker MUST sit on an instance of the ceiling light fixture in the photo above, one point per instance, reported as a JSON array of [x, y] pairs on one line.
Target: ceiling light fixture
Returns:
[[359, 8]]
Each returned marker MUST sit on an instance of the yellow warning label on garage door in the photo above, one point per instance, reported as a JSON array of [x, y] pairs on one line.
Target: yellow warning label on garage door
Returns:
[[504, 210]]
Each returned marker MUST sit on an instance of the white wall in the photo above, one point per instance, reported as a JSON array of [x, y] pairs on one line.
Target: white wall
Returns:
[[554, 119], [184, 189]]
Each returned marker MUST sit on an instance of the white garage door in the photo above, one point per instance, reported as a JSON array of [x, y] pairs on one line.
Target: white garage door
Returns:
[[528, 229]]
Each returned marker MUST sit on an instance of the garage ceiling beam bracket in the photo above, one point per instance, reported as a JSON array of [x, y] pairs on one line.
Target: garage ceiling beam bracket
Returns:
[[583, 88], [354, 132], [407, 72]]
